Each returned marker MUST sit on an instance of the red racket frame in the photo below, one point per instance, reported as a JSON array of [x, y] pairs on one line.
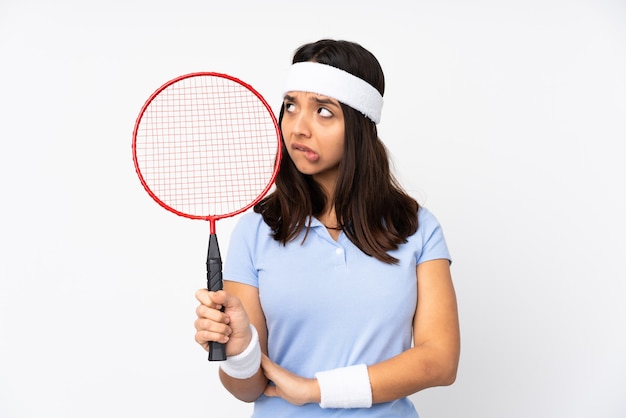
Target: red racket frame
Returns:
[[212, 219]]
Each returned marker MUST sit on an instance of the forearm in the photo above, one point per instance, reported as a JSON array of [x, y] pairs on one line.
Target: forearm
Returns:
[[359, 386], [246, 390], [411, 371], [241, 374], [434, 358]]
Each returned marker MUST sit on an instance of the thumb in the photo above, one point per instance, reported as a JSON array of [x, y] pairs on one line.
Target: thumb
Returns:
[[269, 367], [231, 303], [212, 299], [218, 298], [270, 391]]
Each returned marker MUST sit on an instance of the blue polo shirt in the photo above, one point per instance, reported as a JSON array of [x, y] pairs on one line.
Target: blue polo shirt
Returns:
[[329, 305]]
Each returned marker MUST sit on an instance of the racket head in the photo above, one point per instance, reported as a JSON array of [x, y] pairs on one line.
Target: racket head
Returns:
[[206, 146]]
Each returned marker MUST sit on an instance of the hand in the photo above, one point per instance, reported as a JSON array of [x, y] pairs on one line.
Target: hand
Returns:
[[288, 386], [231, 327]]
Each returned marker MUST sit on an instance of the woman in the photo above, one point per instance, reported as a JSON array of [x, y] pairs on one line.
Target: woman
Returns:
[[338, 299]]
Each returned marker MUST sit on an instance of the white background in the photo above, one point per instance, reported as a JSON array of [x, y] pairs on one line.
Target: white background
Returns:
[[506, 118]]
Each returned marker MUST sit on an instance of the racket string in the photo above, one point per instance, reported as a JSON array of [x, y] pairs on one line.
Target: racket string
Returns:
[[206, 146]]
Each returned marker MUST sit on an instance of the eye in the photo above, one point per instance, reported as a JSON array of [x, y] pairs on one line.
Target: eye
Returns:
[[289, 107], [325, 113]]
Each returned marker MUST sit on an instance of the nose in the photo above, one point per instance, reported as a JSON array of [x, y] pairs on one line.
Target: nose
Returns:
[[301, 125]]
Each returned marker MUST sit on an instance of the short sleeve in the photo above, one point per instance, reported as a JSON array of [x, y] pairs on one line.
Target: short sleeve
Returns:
[[434, 244], [239, 265]]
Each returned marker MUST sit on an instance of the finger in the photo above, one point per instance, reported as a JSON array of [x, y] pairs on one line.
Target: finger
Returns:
[[203, 337], [212, 313], [269, 367], [211, 299], [202, 295], [219, 298], [265, 361], [202, 324], [270, 390]]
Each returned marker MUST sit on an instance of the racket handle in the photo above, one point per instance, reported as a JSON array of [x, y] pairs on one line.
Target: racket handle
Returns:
[[214, 265], [217, 351]]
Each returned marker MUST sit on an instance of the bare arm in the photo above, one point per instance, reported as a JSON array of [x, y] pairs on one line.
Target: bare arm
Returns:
[[434, 359], [242, 307]]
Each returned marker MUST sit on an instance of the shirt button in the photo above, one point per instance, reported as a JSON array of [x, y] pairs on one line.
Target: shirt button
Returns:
[[339, 251]]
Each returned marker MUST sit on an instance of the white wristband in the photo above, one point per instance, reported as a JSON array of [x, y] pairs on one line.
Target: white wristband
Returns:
[[346, 387], [247, 363]]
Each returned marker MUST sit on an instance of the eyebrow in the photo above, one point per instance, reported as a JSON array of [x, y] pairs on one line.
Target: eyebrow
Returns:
[[315, 99]]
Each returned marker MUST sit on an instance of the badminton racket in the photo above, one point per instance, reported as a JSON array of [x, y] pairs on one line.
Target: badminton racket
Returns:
[[207, 146]]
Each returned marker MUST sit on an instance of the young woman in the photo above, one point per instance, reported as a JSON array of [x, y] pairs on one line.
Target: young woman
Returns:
[[338, 299]]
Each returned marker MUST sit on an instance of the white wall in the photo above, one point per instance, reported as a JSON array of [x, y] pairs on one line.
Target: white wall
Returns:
[[506, 118]]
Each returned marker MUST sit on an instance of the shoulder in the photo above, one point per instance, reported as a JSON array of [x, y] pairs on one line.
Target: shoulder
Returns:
[[429, 237], [426, 215], [251, 230], [250, 224], [250, 218], [426, 219]]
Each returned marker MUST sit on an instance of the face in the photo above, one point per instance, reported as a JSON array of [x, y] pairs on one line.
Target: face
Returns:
[[313, 129]]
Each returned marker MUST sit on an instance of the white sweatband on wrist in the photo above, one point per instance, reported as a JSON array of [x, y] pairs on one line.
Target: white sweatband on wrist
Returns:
[[346, 387], [314, 77], [247, 363]]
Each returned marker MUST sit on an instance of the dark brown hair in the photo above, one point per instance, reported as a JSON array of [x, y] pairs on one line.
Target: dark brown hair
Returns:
[[374, 211]]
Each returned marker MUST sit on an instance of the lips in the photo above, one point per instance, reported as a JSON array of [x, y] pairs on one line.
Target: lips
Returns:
[[308, 153]]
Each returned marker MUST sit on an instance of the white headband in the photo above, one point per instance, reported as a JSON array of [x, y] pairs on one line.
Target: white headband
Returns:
[[330, 81]]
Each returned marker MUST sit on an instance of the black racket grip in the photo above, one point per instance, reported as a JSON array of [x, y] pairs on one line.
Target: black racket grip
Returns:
[[217, 351]]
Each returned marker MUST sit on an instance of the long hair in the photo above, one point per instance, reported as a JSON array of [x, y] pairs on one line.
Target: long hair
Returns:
[[374, 211]]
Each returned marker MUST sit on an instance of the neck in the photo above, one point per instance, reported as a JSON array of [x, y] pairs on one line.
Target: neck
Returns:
[[329, 219], [327, 181]]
